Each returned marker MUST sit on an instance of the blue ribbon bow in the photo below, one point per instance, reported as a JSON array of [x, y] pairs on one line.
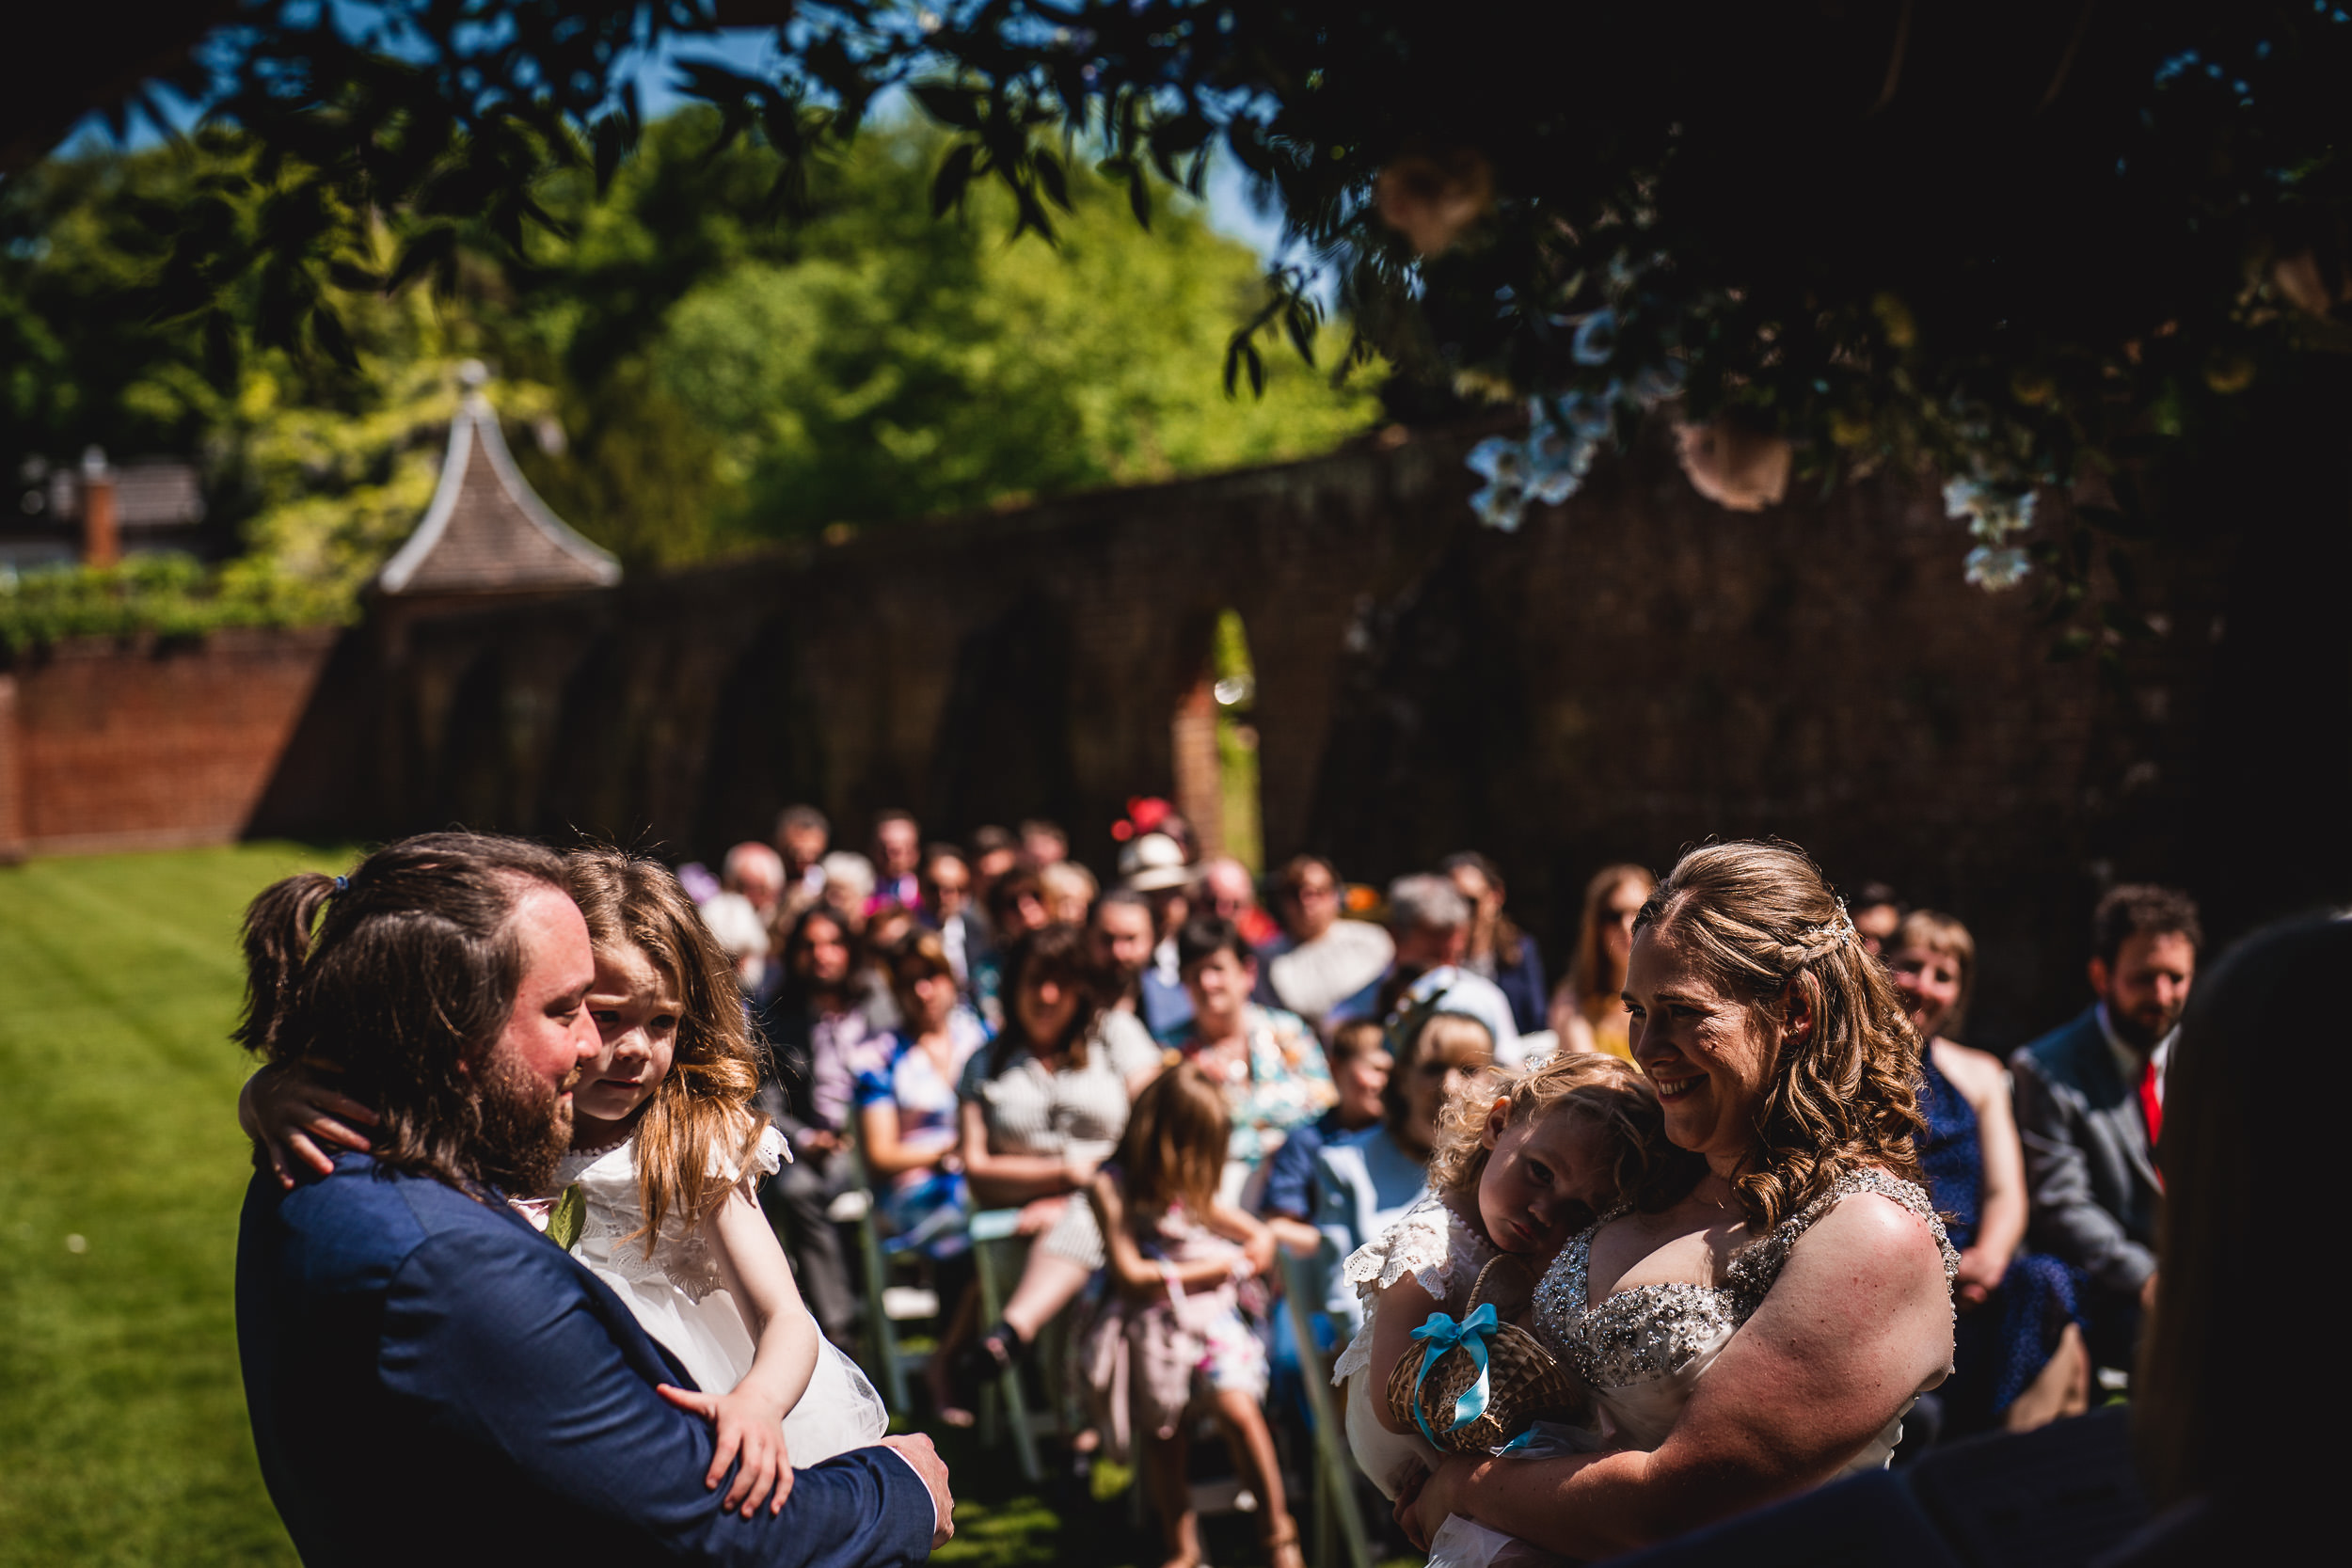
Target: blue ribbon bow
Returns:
[[1440, 1333]]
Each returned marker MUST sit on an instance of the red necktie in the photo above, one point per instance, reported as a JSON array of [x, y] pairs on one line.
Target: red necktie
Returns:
[[2151, 1110]]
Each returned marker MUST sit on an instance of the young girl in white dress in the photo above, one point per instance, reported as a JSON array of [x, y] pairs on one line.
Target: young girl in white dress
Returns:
[[658, 1195], [1518, 1166]]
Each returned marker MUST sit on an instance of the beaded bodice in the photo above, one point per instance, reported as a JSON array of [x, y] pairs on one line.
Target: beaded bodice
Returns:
[[1653, 1331]]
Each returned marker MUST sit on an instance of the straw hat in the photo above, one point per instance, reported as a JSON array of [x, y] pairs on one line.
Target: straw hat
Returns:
[[1523, 1382]]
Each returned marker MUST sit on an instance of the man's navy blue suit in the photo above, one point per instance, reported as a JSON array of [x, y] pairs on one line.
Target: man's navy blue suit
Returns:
[[432, 1381]]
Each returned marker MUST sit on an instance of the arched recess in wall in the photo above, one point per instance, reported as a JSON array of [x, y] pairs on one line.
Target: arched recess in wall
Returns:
[[1004, 752], [470, 785], [765, 751], [1212, 744]]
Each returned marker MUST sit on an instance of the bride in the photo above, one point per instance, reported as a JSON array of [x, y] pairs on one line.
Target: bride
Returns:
[[1769, 1331]]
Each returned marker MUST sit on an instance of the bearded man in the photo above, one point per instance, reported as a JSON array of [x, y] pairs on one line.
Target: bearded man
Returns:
[[429, 1378], [2090, 1104]]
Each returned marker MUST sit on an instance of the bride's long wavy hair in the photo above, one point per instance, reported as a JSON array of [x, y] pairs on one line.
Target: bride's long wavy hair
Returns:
[[1763, 920], [698, 1124]]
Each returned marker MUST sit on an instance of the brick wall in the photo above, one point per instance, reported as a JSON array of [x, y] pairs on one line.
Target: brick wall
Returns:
[[107, 747], [1624, 677]]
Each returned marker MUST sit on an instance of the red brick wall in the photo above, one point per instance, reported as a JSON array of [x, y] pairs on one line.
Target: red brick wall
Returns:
[[113, 747]]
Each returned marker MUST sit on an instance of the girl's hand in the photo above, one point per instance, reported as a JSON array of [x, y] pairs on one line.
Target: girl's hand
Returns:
[[1979, 1276], [750, 1428], [1407, 1494], [1257, 1251], [290, 1110], [1422, 1509]]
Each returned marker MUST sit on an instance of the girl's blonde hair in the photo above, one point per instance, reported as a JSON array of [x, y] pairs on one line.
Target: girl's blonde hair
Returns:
[[1759, 917], [698, 1123], [1173, 1150], [1650, 1172]]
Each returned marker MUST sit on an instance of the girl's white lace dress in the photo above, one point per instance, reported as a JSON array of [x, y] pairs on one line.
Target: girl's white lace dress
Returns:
[[677, 1297], [1443, 1255]]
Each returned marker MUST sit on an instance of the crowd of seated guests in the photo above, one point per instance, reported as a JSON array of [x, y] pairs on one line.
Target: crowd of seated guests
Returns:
[[968, 1028]]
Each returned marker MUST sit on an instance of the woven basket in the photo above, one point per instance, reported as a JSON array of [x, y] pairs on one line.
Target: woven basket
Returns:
[[1523, 1382]]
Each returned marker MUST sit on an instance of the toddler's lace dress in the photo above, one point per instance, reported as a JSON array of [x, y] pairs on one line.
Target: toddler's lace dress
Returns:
[[1443, 1255], [678, 1296]]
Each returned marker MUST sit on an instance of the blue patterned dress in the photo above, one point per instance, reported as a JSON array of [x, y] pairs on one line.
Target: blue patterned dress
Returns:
[[2000, 1347]]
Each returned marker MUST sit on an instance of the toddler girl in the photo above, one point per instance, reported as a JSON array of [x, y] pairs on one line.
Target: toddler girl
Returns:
[[1173, 1342], [1518, 1166], [658, 1196]]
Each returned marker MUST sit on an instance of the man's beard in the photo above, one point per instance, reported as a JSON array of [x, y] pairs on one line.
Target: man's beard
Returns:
[[2143, 1028], [525, 1127]]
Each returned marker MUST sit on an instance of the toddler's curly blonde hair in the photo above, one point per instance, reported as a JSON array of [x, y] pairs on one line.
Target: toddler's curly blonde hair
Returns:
[[1651, 1173]]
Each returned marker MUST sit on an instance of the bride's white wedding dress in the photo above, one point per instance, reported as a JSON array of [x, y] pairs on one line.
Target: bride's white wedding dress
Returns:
[[1643, 1350], [676, 1295]]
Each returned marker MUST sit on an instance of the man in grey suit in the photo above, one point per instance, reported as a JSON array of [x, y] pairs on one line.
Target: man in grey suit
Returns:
[[2091, 1103]]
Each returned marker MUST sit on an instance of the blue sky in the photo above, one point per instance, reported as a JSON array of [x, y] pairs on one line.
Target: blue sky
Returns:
[[1229, 209]]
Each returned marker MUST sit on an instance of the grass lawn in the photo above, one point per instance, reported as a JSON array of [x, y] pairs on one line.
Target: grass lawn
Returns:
[[122, 1427]]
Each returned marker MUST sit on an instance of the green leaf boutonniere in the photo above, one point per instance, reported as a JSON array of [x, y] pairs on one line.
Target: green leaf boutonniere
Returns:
[[563, 1219]]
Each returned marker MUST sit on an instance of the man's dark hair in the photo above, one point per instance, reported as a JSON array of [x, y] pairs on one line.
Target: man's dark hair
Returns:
[[798, 989], [934, 853], [1058, 952], [2141, 909], [1008, 891], [1873, 895], [1294, 873], [893, 814], [1117, 898], [988, 840], [405, 983], [802, 817], [1038, 827], [1204, 936]]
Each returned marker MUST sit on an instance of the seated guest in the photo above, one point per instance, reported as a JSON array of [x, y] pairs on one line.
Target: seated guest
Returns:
[[1016, 907], [1038, 1110], [1430, 924], [2018, 1360], [1227, 891], [1365, 1182], [1266, 1062], [1588, 1010], [886, 930], [898, 855], [817, 1032], [802, 836], [1320, 960], [488, 1399], [1358, 1058], [1878, 914], [2090, 1102], [1043, 843], [907, 1121], [946, 879], [995, 852], [1154, 866], [1068, 889], [1498, 950], [849, 887]]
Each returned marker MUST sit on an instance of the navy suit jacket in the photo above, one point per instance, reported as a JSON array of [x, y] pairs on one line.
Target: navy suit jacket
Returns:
[[2095, 1188], [430, 1380]]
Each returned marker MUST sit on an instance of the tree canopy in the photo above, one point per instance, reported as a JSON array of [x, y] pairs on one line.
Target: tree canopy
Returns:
[[2024, 245], [684, 375]]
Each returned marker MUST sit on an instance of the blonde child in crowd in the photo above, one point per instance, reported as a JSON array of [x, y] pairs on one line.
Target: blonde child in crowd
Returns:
[[1520, 1165], [1173, 1342], [658, 1197]]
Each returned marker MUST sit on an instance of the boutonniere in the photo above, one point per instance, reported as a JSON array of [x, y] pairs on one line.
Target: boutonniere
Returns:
[[563, 1219]]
